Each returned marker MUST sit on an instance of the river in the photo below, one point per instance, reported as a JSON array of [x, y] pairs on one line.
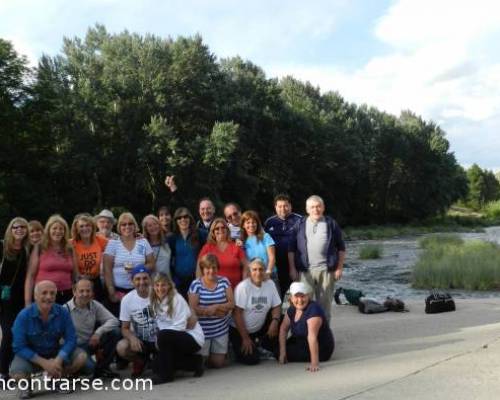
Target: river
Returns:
[[390, 275]]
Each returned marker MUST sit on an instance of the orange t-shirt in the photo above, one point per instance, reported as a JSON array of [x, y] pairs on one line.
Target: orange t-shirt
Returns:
[[89, 257]]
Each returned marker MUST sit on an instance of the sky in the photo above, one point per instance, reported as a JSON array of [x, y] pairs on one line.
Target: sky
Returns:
[[437, 58]]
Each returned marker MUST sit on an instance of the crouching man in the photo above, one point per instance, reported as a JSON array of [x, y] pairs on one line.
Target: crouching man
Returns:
[[256, 316], [38, 333], [97, 330]]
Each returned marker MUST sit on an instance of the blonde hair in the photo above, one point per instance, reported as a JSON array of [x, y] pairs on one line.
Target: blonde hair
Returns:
[[155, 301], [211, 233], [56, 219], [145, 231], [75, 235], [8, 242], [126, 215], [208, 260]]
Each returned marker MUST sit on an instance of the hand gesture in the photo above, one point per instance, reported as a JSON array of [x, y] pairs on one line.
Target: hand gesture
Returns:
[[170, 183]]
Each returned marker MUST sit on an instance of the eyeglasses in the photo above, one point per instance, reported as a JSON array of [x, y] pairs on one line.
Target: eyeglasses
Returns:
[[19, 227], [182, 217], [127, 224], [231, 216], [220, 228]]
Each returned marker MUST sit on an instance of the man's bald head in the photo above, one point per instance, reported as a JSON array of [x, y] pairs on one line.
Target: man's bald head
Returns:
[[43, 285], [45, 295]]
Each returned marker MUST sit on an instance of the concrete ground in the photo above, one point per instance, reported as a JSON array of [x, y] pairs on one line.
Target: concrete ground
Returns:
[[382, 356]]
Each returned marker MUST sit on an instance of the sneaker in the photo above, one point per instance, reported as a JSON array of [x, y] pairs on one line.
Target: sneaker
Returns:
[[105, 373], [138, 366], [24, 394]]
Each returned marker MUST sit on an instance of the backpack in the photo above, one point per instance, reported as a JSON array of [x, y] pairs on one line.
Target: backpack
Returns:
[[351, 295], [370, 306]]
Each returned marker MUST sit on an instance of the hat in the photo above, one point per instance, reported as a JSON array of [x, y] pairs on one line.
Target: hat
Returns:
[[106, 214], [139, 269], [299, 287]]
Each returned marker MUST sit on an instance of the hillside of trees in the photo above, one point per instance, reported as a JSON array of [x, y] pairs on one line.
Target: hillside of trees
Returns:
[[102, 123]]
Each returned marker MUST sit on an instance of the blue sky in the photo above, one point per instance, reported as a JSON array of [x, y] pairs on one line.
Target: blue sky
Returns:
[[438, 58]]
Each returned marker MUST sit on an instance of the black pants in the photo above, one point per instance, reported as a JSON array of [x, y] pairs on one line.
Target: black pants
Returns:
[[114, 308], [105, 353], [297, 349], [258, 338], [283, 274], [176, 351], [6, 353]]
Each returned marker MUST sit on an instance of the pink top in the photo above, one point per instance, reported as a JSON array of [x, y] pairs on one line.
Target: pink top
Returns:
[[55, 267]]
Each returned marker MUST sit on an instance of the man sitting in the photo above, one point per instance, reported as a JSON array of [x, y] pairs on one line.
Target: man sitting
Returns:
[[96, 328], [256, 316], [138, 343], [37, 332]]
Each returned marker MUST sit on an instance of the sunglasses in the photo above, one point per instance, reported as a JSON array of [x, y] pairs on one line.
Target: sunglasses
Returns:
[[220, 228], [127, 224], [19, 227], [182, 217]]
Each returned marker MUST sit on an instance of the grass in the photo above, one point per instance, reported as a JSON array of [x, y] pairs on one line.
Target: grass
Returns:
[[492, 209], [370, 252], [440, 240], [448, 263]]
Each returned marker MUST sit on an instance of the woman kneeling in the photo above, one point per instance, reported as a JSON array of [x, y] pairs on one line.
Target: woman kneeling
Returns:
[[311, 340], [180, 336]]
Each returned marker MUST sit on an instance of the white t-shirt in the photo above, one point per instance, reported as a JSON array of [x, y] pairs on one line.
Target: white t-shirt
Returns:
[[135, 309], [178, 320], [256, 302], [121, 255]]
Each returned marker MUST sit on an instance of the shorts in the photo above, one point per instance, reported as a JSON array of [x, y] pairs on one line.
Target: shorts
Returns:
[[217, 345], [21, 366]]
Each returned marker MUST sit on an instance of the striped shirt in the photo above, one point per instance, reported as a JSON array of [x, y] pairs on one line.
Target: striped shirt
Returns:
[[212, 326]]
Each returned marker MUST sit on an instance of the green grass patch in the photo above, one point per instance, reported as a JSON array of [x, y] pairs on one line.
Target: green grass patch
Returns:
[[440, 240], [370, 252], [492, 209], [473, 265]]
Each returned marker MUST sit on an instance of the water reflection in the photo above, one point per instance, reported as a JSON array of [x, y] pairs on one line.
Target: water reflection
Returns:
[[391, 274]]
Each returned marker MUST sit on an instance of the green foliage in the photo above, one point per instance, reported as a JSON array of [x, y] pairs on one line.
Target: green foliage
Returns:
[[370, 252], [483, 187], [492, 210], [102, 123], [439, 240], [473, 265]]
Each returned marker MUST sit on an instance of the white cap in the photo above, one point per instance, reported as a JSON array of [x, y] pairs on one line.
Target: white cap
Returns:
[[106, 214], [299, 287]]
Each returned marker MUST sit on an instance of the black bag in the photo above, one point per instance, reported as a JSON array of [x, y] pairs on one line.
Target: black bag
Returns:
[[370, 306], [439, 302]]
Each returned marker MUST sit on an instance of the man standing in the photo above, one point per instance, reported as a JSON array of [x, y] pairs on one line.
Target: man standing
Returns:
[[105, 221], [280, 227], [138, 325], [206, 210], [232, 213], [38, 332], [317, 252], [97, 330]]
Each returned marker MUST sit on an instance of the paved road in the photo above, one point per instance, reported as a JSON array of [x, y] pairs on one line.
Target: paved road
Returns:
[[385, 356]]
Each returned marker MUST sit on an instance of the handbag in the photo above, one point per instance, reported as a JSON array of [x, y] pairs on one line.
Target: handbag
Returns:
[[351, 295], [438, 302], [6, 290]]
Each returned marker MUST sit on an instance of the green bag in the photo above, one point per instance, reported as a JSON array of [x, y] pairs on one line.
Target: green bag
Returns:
[[351, 295]]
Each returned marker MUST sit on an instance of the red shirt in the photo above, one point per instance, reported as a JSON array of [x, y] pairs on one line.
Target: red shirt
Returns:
[[230, 260]]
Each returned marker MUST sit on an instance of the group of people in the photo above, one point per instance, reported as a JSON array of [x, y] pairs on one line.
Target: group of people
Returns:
[[170, 296]]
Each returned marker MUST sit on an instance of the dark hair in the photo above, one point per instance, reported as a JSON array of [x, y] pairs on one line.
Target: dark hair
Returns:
[[208, 260], [250, 214], [165, 209], [232, 203], [282, 197], [195, 241]]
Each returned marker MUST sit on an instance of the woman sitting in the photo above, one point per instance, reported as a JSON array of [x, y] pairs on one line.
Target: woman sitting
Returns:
[[52, 260], [88, 250], [211, 297], [311, 340], [232, 261], [180, 336]]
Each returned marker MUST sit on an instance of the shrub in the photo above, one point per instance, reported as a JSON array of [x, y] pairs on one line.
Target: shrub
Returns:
[[439, 240], [492, 209], [370, 252], [474, 265]]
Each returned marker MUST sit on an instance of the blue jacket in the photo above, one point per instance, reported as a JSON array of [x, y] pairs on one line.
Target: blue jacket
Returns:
[[281, 230], [298, 244], [34, 337]]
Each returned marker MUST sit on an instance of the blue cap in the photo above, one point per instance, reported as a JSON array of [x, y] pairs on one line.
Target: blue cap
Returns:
[[139, 269]]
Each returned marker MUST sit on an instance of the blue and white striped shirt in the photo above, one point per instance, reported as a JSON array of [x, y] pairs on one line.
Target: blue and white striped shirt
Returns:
[[212, 326]]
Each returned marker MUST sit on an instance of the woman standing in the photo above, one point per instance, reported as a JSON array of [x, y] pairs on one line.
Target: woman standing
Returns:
[[185, 244], [155, 235], [121, 256], [35, 229], [88, 250], [211, 297], [257, 243], [232, 261], [14, 260], [311, 340], [52, 260], [180, 336]]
